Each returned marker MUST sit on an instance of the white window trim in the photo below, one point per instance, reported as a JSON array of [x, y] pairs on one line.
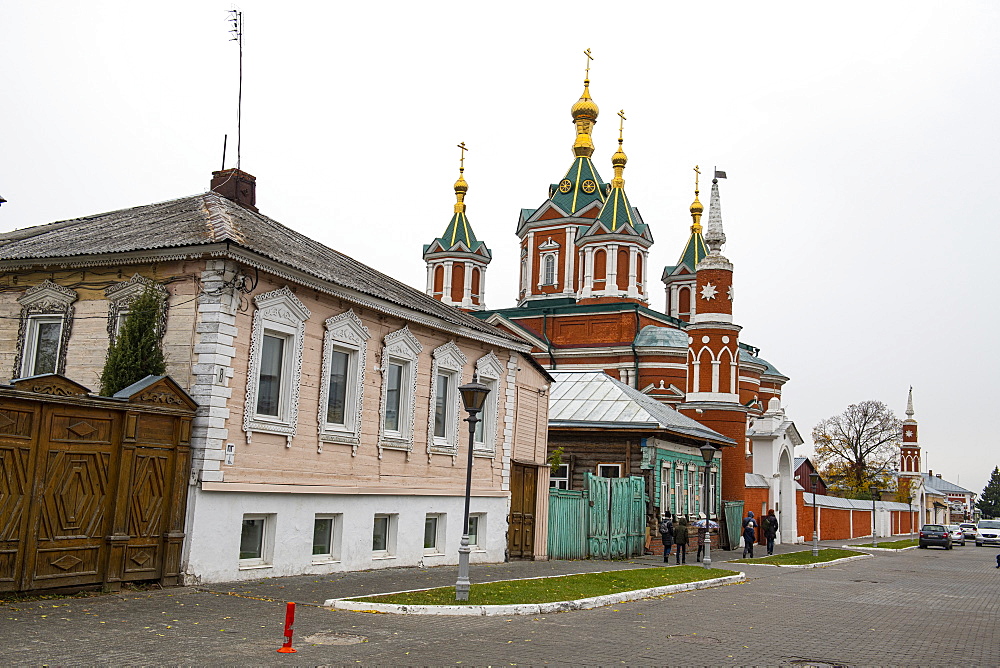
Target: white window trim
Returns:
[[402, 347], [555, 478], [548, 249], [390, 539], [608, 464], [266, 558], [439, 535], [43, 301], [120, 298], [490, 372], [448, 360], [281, 312], [344, 332], [480, 531], [336, 538]]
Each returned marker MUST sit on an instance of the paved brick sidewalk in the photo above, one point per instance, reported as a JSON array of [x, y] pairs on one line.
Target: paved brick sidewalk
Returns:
[[922, 607]]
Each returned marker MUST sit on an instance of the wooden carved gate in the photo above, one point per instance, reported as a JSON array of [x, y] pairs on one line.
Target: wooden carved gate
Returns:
[[92, 489]]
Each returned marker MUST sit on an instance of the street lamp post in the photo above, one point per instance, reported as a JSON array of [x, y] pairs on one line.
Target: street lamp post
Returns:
[[473, 397], [814, 477], [876, 492], [707, 454]]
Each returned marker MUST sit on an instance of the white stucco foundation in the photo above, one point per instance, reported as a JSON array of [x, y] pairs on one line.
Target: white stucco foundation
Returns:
[[215, 522]]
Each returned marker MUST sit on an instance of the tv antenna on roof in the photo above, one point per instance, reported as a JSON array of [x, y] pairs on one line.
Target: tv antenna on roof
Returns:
[[236, 18]]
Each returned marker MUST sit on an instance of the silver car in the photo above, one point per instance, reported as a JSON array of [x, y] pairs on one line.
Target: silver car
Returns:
[[957, 535], [988, 532]]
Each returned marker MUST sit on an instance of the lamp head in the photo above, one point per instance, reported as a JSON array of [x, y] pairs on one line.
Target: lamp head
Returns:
[[707, 452], [474, 394]]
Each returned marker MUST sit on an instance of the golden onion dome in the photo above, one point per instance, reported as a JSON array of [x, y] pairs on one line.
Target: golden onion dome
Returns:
[[696, 207], [619, 158], [461, 186], [585, 107]]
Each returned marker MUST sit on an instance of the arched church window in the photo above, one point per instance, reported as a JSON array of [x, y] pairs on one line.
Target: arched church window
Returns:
[[549, 270]]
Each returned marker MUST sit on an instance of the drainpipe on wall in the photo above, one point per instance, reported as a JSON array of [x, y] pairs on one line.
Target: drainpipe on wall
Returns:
[[635, 354], [545, 335]]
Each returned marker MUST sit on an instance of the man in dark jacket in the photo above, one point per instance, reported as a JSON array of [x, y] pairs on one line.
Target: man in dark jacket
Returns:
[[667, 536], [681, 539], [770, 523]]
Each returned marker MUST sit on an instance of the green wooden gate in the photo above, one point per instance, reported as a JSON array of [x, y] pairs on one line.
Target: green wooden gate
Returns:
[[568, 512], [607, 520], [617, 516], [733, 513]]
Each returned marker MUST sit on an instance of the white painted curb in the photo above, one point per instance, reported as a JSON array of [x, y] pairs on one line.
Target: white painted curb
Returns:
[[530, 608], [820, 564], [868, 548]]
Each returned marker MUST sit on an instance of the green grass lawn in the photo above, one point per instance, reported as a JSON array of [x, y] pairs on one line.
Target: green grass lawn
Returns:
[[798, 558], [893, 544], [560, 588]]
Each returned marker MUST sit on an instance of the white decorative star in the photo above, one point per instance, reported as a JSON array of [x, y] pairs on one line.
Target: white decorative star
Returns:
[[909, 432], [708, 291], [730, 293]]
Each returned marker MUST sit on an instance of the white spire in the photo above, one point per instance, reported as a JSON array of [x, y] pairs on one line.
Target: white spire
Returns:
[[714, 236], [909, 405]]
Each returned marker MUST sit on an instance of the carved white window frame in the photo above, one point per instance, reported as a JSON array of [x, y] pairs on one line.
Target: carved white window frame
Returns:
[[344, 333], [549, 256], [448, 360], [45, 302], [403, 348], [281, 314], [122, 295], [490, 372]]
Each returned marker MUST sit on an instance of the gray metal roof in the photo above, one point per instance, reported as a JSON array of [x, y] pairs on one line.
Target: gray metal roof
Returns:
[[769, 369], [943, 485], [664, 337], [797, 462], [210, 218], [593, 398], [755, 480], [852, 504]]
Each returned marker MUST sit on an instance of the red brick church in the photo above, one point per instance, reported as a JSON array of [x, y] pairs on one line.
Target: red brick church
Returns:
[[585, 303]]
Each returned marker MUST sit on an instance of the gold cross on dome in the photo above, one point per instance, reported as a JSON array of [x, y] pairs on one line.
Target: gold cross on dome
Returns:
[[621, 123], [461, 161], [697, 172], [589, 58]]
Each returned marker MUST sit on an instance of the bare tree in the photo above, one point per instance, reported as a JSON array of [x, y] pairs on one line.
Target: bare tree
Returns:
[[860, 446]]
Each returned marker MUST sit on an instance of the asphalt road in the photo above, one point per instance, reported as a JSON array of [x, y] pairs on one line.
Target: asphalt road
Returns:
[[920, 607]]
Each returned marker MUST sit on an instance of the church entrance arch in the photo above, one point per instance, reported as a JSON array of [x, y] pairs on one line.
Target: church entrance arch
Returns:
[[787, 521]]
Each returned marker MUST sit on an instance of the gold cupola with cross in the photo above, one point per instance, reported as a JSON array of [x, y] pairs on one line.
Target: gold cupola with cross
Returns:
[[614, 248], [456, 261]]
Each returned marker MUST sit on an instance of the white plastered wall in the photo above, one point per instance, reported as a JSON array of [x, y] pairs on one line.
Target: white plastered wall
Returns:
[[214, 532]]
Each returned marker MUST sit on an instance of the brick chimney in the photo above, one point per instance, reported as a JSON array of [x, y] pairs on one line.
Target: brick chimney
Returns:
[[236, 185]]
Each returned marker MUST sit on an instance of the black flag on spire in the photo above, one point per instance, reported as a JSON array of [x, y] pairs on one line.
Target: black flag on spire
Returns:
[[720, 175]]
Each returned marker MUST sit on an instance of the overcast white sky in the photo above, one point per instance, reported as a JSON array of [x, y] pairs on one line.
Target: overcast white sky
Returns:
[[860, 138]]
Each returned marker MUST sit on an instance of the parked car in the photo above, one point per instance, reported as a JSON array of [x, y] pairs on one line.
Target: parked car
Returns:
[[988, 531], [934, 534], [957, 535], [969, 529]]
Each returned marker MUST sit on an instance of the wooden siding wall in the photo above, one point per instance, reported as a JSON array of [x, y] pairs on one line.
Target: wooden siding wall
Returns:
[[267, 459], [88, 343], [583, 451]]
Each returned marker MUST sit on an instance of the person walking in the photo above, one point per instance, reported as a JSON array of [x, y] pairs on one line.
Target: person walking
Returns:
[[770, 523], [998, 561], [667, 536], [681, 539], [749, 534]]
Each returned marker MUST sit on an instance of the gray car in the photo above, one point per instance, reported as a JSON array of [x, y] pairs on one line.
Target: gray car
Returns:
[[957, 535], [934, 534]]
